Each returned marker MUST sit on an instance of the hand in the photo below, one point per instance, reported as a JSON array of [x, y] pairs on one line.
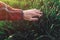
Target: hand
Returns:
[[29, 14]]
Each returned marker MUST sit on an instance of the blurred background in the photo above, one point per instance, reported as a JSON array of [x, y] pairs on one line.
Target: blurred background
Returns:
[[46, 28]]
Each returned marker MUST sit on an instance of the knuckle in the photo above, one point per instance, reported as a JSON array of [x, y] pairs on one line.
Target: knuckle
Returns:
[[35, 9]]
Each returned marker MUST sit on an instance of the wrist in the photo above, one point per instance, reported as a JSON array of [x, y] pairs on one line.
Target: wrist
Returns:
[[22, 14]]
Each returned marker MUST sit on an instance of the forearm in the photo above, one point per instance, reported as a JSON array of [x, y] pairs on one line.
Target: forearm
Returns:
[[9, 13], [15, 15]]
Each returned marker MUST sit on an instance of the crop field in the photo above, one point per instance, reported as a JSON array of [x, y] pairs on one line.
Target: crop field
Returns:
[[46, 28]]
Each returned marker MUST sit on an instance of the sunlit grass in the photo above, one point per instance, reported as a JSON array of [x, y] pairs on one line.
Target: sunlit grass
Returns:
[[50, 9]]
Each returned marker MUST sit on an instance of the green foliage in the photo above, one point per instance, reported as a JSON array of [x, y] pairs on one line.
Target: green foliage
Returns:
[[50, 20]]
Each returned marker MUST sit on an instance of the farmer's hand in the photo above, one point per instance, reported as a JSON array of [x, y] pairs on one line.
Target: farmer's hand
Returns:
[[29, 14]]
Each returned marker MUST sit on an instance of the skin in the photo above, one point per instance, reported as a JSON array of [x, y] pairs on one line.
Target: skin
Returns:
[[29, 14]]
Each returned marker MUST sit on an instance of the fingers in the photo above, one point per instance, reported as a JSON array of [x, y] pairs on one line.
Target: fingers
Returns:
[[32, 14], [36, 14], [39, 15], [38, 11], [33, 19]]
